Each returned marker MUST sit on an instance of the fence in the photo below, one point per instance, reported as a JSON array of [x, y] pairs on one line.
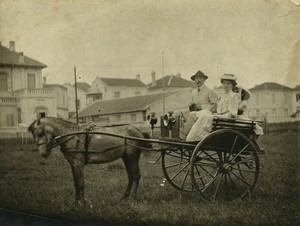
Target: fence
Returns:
[[20, 136], [15, 136], [281, 127]]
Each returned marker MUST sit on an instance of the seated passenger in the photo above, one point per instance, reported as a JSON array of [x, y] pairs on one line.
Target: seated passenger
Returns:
[[202, 98], [245, 95], [242, 111], [226, 107]]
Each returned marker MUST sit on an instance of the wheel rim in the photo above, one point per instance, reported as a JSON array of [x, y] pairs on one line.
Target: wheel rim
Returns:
[[176, 168], [225, 165]]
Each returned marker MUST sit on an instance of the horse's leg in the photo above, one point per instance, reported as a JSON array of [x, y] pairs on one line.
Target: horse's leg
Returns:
[[128, 167], [78, 176], [136, 173]]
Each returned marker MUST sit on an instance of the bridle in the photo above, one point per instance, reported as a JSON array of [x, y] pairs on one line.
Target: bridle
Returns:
[[54, 143]]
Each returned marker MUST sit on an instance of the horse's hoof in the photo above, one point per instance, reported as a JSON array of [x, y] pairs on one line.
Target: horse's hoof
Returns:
[[84, 203]]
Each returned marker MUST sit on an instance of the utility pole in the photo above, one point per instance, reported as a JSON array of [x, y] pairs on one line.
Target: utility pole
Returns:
[[163, 83], [76, 102]]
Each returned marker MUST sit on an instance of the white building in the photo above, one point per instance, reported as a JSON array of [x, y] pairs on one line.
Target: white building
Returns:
[[272, 102], [61, 94], [22, 96], [113, 88], [82, 89]]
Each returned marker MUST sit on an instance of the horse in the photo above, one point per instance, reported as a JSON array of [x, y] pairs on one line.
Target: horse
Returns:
[[82, 149]]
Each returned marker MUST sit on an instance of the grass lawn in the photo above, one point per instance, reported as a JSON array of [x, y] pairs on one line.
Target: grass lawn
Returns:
[[28, 185]]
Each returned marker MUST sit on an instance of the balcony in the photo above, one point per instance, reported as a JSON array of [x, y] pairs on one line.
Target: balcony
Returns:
[[8, 101], [33, 93]]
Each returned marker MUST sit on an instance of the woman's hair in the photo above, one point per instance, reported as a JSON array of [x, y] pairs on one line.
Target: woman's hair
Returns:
[[232, 82]]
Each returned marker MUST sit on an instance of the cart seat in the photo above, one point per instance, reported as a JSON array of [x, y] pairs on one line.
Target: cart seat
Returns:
[[242, 125]]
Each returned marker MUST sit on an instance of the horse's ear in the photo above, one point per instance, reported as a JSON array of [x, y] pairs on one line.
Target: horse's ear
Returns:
[[38, 121]]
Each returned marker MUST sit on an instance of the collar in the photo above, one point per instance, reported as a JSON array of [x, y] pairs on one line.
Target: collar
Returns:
[[200, 88]]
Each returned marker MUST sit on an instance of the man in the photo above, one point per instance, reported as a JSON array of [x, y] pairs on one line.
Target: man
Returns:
[[202, 98]]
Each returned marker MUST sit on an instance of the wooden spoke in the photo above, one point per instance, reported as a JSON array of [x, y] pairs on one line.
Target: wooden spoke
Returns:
[[232, 182], [218, 186], [232, 148], [176, 164], [245, 182], [178, 172], [187, 173], [239, 153]]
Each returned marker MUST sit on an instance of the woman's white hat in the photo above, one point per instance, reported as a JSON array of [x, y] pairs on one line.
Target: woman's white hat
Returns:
[[230, 77]]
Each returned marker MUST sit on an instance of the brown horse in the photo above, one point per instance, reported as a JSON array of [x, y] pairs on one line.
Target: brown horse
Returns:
[[82, 149]]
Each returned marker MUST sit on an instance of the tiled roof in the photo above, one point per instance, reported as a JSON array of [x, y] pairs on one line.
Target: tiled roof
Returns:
[[53, 85], [297, 87], [94, 91], [129, 104], [171, 81], [270, 86], [123, 82], [9, 58], [83, 86]]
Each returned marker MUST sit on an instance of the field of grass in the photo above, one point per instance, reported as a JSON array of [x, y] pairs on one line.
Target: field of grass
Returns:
[[46, 189]]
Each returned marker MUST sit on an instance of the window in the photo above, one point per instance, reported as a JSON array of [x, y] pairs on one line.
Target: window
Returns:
[[257, 112], [133, 117], [31, 81], [273, 98], [117, 94], [118, 118], [285, 112], [10, 120], [137, 92], [103, 119], [274, 113], [285, 98], [3, 81], [42, 114], [97, 97], [297, 97], [19, 115], [257, 98]]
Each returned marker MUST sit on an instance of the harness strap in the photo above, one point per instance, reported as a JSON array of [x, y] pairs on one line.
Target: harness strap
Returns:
[[86, 147], [143, 148]]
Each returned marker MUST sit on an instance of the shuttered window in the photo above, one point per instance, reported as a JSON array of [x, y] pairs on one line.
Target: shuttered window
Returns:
[[31, 81], [10, 120], [3, 81]]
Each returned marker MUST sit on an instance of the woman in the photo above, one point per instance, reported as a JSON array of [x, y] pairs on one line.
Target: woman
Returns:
[[226, 107], [242, 110], [245, 96]]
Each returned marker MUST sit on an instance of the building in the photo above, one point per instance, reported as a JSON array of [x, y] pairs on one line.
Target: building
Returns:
[[61, 94], [82, 89], [133, 110], [296, 103], [168, 83], [113, 88], [22, 96], [272, 102]]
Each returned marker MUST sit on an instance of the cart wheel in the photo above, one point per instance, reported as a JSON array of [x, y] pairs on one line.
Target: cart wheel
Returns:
[[176, 168], [224, 165]]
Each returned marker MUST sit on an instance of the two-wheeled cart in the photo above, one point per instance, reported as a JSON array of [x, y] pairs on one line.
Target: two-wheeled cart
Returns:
[[224, 165]]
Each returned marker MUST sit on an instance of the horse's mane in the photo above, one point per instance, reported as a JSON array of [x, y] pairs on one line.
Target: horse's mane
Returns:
[[30, 127], [61, 121], [55, 120]]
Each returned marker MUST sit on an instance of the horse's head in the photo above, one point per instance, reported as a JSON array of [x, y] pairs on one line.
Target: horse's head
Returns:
[[44, 135]]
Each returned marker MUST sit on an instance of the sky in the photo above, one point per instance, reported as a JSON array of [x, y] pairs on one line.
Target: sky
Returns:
[[255, 40]]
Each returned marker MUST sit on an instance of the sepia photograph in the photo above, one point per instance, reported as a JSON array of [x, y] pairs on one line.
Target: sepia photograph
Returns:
[[140, 112]]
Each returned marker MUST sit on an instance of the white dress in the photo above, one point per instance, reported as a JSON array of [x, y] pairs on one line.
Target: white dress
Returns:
[[227, 107]]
